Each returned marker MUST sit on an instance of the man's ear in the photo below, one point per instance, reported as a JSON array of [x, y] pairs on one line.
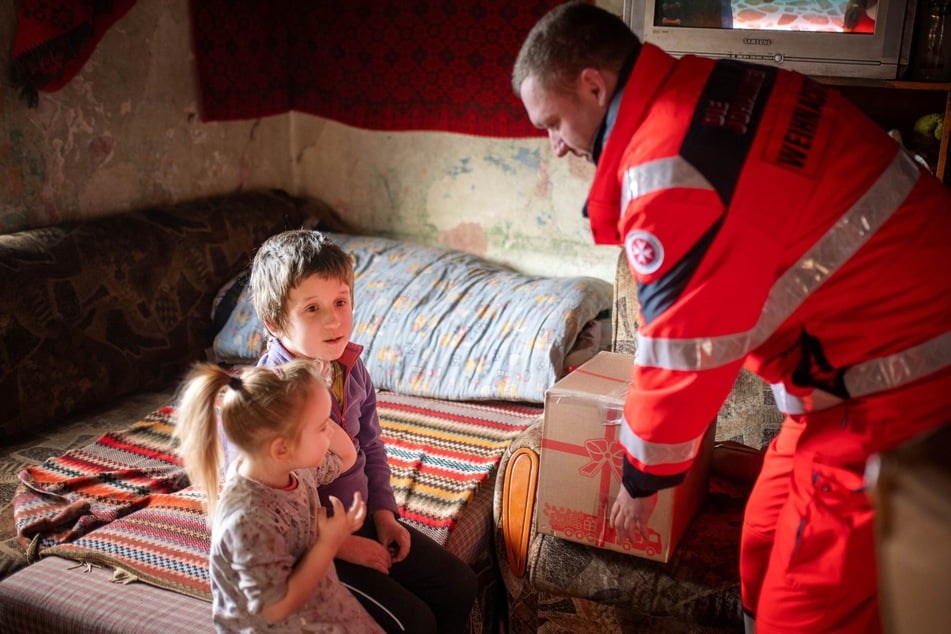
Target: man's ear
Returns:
[[594, 83]]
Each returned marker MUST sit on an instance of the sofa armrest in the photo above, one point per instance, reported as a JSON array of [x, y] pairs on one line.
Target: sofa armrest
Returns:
[[515, 494]]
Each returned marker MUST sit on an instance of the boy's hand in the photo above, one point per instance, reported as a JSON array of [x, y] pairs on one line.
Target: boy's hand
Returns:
[[366, 552], [392, 535], [338, 528]]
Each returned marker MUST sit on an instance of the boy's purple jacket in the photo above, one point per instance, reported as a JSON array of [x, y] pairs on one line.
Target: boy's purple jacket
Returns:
[[370, 474]]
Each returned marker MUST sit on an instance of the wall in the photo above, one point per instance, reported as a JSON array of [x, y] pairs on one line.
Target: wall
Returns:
[[126, 132], [506, 199]]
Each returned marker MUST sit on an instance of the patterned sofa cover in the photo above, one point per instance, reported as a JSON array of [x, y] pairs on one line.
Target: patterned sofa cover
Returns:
[[557, 585], [93, 311]]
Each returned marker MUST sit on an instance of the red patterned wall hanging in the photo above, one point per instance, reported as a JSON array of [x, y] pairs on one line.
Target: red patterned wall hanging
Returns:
[[376, 64]]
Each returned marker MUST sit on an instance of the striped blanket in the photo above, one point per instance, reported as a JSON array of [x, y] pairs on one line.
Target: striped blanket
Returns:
[[69, 495], [441, 452], [124, 500]]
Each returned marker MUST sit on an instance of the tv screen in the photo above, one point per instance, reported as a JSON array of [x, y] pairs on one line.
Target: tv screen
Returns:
[[854, 38]]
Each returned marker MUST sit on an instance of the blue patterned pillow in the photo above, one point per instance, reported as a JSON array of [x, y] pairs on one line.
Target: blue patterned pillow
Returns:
[[445, 324]]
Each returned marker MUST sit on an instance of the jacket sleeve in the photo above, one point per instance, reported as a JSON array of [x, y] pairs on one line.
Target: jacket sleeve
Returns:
[[379, 490], [639, 484], [703, 276]]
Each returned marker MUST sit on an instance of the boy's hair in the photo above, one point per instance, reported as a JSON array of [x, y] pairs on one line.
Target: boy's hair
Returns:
[[255, 407], [569, 38], [283, 261]]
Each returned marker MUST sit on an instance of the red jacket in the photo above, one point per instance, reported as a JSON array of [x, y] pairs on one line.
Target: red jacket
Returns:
[[768, 223]]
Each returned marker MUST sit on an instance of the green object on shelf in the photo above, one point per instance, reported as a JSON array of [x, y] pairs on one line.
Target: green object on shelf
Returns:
[[930, 125]]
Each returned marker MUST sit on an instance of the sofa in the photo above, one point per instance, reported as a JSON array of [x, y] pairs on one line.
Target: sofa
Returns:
[[556, 585], [99, 528]]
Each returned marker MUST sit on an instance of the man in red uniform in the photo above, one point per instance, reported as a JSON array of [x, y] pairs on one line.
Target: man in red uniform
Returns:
[[770, 225]]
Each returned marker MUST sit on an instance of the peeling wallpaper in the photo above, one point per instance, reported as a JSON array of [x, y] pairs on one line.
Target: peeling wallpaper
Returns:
[[126, 133], [507, 199]]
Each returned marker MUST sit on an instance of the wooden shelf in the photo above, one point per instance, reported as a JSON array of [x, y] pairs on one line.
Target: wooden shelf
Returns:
[[898, 84], [897, 104]]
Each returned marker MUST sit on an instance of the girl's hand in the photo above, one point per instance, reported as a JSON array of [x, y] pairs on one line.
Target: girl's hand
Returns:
[[356, 513], [366, 552], [392, 535], [338, 528], [307, 573]]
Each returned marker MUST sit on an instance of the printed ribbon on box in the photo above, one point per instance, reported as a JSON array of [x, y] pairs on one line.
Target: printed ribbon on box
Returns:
[[604, 458], [604, 454]]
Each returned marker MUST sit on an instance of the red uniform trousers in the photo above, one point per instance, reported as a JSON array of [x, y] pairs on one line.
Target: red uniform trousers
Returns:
[[807, 552]]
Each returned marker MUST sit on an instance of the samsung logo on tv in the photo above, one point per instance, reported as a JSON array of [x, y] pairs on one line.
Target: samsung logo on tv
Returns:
[[758, 41]]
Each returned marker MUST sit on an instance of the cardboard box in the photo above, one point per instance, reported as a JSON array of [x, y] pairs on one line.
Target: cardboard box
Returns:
[[580, 465]]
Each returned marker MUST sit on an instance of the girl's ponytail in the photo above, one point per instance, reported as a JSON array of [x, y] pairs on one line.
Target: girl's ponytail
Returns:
[[197, 428]]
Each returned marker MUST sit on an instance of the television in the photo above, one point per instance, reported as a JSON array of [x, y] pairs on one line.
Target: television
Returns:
[[831, 38]]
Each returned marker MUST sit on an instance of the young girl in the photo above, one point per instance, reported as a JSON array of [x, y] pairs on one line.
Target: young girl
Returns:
[[272, 544]]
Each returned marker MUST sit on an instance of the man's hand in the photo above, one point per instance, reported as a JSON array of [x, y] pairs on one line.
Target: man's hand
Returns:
[[629, 516]]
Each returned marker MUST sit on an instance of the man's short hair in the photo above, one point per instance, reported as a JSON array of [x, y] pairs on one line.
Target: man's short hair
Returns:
[[569, 38]]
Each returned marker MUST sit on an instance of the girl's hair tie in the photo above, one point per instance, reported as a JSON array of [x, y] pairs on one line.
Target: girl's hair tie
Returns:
[[235, 383]]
